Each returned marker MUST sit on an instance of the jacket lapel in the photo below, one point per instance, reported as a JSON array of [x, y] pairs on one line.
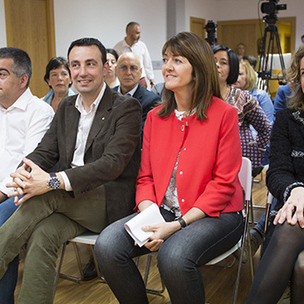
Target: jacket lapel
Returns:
[[71, 128], [101, 116]]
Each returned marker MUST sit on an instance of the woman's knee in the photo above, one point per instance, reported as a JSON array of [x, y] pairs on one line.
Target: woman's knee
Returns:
[[110, 241], [299, 266]]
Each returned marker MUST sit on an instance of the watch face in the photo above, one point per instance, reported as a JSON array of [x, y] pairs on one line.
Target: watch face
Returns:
[[54, 183]]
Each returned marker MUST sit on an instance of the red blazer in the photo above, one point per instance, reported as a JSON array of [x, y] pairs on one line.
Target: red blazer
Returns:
[[209, 162]]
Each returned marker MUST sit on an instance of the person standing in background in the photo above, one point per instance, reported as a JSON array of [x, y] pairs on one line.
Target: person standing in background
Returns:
[[131, 43]]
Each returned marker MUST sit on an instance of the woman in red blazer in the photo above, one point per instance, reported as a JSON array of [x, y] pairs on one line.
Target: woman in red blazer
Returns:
[[191, 157]]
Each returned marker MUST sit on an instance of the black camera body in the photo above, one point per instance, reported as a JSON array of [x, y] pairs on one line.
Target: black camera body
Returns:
[[272, 8]]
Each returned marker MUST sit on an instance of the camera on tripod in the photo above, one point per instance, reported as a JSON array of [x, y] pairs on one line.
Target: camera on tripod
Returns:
[[211, 30], [272, 7], [271, 37]]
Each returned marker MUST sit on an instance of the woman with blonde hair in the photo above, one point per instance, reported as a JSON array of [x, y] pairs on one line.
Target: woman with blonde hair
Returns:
[[283, 259], [247, 80], [194, 182]]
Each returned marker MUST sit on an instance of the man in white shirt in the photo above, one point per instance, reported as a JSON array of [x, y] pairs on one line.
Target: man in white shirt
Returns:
[[24, 119], [131, 43], [94, 140]]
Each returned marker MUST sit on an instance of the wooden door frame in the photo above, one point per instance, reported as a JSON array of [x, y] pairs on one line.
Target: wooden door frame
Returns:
[[197, 20], [50, 26]]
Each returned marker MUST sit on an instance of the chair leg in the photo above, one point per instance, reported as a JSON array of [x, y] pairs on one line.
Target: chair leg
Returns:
[[245, 232], [96, 264], [152, 290], [77, 279]]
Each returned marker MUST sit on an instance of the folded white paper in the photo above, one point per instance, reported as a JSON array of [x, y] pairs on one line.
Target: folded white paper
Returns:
[[149, 217]]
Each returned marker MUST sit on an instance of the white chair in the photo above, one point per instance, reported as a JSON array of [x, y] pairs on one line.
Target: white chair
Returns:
[[88, 238], [246, 183]]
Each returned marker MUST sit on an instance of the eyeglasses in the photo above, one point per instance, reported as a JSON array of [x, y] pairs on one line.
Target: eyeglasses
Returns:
[[124, 67]]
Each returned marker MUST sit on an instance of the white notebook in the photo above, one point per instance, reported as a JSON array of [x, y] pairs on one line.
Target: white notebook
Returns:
[[149, 217]]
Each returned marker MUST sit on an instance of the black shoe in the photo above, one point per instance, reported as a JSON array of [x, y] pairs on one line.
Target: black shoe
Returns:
[[89, 271]]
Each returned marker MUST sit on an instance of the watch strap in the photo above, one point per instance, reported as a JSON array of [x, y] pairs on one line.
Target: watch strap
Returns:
[[182, 222]]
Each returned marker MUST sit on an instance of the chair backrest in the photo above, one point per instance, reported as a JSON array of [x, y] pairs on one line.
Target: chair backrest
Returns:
[[245, 177]]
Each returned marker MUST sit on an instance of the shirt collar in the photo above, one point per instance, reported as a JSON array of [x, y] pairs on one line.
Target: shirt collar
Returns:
[[21, 102], [131, 93], [94, 105]]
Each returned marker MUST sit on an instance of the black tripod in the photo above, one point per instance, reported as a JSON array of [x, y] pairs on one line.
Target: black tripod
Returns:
[[265, 67]]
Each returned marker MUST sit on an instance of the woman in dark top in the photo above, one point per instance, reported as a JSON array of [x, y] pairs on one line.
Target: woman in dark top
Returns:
[[283, 259]]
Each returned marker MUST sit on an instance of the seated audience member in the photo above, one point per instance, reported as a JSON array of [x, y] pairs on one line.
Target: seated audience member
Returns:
[[257, 233], [240, 49], [251, 59], [58, 77], [110, 78], [128, 71], [199, 133], [247, 81], [249, 111], [282, 96], [24, 120], [95, 138], [283, 258], [158, 89]]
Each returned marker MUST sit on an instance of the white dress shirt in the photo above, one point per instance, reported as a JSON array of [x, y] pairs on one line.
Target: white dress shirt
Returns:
[[140, 49], [84, 126], [22, 126]]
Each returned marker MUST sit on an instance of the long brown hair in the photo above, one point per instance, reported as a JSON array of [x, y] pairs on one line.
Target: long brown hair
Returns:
[[206, 83], [294, 80]]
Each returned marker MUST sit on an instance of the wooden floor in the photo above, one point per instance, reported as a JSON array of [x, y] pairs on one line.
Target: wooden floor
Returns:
[[219, 282]]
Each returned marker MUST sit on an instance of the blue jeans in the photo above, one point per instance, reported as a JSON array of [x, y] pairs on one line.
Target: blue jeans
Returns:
[[179, 257], [9, 280]]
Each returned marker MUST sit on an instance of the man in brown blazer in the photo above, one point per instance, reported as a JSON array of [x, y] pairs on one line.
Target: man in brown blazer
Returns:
[[94, 140]]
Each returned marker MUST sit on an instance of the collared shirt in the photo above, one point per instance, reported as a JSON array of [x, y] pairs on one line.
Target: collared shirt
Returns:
[[140, 49], [22, 126], [130, 93], [84, 126], [49, 96]]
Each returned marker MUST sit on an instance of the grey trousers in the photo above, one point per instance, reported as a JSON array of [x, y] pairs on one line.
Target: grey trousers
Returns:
[[45, 222]]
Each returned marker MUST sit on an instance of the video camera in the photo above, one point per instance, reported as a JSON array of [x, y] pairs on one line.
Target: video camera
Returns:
[[272, 8]]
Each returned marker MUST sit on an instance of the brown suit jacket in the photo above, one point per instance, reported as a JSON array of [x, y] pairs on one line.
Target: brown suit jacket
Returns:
[[112, 153]]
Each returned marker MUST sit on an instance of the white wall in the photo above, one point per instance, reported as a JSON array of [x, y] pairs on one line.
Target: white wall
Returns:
[[107, 20]]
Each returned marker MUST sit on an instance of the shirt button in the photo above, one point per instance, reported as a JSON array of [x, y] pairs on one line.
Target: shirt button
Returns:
[[182, 128], [180, 172], [183, 200], [185, 149]]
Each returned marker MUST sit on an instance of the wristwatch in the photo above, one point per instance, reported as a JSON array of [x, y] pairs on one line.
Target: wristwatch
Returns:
[[181, 222], [53, 182]]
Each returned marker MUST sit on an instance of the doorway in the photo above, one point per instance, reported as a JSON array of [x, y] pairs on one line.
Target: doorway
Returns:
[[30, 26]]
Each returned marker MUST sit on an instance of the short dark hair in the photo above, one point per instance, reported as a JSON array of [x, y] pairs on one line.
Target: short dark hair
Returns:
[[131, 24], [53, 64], [113, 52], [251, 59], [88, 42], [233, 63], [22, 63]]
